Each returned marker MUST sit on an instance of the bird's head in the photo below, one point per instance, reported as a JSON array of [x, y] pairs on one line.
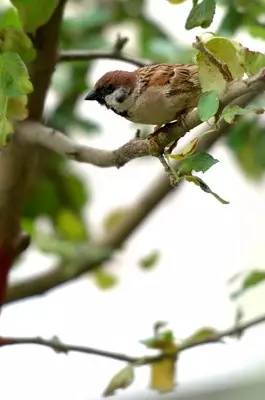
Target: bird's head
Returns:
[[113, 90]]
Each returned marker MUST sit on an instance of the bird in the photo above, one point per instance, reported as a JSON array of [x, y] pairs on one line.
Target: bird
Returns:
[[155, 94]]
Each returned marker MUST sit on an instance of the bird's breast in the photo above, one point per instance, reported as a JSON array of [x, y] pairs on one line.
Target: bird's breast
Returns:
[[155, 107]]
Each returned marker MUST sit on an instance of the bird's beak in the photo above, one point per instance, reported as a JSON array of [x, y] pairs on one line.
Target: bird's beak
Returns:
[[92, 95]]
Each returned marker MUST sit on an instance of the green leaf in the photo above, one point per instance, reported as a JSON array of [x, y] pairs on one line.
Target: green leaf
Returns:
[[104, 280], [44, 200], [230, 112], [5, 129], [16, 41], [254, 61], [200, 335], [35, 13], [17, 108], [247, 141], [208, 105], [199, 162], [162, 341], [70, 225], [199, 182], [14, 78], [254, 278], [9, 18], [231, 22], [121, 380], [149, 261], [14, 82], [201, 14]]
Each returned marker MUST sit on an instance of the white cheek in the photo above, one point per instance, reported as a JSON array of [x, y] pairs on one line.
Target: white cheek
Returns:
[[111, 100]]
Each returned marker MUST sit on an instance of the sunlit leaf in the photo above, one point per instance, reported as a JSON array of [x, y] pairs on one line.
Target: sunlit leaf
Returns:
[[9, 18], [121, 380], [70, 225], [176, 1], [15, 40], [201, 14], [35, 13], [208, 105], [225, 51]]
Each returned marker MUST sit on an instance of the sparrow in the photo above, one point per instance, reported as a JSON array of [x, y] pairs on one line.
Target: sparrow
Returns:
[[155, 94]]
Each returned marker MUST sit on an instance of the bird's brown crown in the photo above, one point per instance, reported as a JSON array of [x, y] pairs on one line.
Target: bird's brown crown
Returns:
[[116, 78]]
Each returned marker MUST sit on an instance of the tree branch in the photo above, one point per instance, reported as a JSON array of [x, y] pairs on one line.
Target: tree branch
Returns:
[[64, 272], [135, 216], [154, 144], [56, 345]]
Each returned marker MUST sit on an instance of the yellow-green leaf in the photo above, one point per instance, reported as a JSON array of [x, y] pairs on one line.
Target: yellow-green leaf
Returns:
[[188, 150], [225, 51], [14, 78], [5, 129], [15, 40], [176, 1], [17, 108], [254, 61], [70, 225], [121, 380], [200, 335], [163, 375], [105, 280]]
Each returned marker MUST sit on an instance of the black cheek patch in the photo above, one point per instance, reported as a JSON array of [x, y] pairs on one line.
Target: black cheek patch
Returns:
[[121, 97]]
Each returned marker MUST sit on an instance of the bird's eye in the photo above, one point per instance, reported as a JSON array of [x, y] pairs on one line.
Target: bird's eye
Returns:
[[108, 90]]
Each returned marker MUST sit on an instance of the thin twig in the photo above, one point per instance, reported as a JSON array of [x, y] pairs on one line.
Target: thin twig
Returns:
[[56, 345], [89, 55]]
